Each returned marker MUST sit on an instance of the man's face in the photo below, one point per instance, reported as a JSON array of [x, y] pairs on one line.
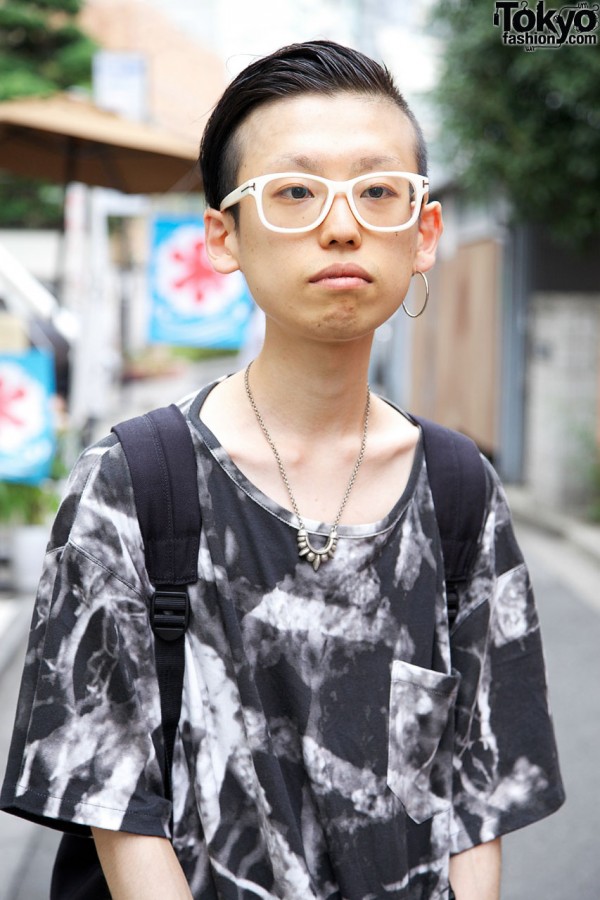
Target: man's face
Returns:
[[291, 275]]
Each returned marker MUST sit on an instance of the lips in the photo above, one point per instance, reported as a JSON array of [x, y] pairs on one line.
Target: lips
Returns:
[[341, 273]]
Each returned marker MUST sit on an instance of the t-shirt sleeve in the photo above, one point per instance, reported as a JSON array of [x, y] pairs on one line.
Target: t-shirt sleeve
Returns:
[[87, 746], [506, 772]]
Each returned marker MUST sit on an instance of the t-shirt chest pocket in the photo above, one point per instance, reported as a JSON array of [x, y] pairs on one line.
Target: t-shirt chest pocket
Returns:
[[420, 738]]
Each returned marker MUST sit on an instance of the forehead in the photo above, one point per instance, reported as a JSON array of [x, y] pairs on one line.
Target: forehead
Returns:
[[336, 136]]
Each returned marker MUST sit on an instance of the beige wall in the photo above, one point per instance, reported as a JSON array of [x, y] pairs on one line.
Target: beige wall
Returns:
[[598, 402], [563, 397], [185, 79], [456, 346], [13, 334]]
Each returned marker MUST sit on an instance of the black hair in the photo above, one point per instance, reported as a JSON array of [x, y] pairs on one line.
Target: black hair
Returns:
[[313, 67]]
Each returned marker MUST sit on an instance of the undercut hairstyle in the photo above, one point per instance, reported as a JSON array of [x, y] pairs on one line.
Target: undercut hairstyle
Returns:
[[313, 67]]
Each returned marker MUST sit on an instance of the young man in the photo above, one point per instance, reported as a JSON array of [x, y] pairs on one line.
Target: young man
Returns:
[[326, 711]]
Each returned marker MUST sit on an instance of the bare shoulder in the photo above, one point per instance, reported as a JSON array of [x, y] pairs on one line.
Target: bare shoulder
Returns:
[[222, 405], [391, 449], [227, 414], [391, 432]]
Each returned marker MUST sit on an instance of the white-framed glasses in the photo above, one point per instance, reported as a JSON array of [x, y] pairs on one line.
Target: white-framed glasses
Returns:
[[292, 202]]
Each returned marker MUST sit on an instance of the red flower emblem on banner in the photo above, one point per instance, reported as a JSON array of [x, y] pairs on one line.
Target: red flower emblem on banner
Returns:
[[22, 407], [194, 272], [9, 403], [185, 278]]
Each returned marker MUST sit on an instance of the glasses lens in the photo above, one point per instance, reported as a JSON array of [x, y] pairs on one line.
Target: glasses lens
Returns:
[[293, 202], [385, 201]]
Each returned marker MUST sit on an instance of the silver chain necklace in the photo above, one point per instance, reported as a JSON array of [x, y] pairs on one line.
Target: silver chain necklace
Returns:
[[305, 548]]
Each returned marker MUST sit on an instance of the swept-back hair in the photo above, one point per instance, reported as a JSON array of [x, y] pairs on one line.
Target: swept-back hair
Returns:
[[313, 67]]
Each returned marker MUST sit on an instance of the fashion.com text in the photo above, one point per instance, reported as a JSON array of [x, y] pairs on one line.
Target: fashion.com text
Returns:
[[530, 27]]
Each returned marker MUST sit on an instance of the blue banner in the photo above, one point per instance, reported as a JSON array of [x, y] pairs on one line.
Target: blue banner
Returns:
[[191, 303], [27, 440]]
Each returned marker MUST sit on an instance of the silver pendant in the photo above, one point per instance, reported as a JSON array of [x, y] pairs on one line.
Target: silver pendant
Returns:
[[311, 554]]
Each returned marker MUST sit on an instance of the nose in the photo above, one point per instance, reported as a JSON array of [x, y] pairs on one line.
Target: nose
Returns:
[[339, 225]]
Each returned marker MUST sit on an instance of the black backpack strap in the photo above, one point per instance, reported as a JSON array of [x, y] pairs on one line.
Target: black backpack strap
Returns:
[[162, 462], [459, 488], [160, 455]]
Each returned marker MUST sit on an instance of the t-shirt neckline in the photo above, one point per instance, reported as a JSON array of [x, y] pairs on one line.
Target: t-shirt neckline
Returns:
[[313, 526]]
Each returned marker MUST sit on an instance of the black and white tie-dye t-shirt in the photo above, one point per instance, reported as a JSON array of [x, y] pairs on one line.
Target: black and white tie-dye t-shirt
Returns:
[[334, 742]]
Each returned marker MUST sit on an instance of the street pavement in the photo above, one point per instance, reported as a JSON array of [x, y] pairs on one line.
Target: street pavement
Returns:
[[559, 858], [26, 850]]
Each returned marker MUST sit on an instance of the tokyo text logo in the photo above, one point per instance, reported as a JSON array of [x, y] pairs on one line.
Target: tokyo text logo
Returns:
[[533, 27]]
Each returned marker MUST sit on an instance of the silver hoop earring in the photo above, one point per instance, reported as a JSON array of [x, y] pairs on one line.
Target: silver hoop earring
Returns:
[[422, 310]]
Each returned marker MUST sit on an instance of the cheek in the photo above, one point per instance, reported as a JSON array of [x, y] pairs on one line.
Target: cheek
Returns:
[[270, 283], [271, 265], [404, 260], [398, 265]]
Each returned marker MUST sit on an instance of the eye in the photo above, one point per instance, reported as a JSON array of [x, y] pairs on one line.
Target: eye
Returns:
[[378, 192], [296, 192]]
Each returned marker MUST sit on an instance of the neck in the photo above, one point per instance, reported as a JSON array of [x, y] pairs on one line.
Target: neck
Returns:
[[312, 388]]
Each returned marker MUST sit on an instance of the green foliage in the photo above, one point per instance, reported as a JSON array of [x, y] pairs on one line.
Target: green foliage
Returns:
[[33, 504], [200, 354], [27, 504], [30, 201], [527, 123], [594, 501], [41, 48], [20, 81], [42, 51]]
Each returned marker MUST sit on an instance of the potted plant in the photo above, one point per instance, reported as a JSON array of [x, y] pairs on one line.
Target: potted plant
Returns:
[[25, 510]]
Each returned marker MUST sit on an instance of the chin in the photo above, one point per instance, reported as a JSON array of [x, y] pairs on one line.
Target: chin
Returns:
[[352, 324], [340, 333]]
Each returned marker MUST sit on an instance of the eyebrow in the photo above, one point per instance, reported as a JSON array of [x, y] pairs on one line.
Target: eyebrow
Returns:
[[376, 162], [311, 164], [301, 162]]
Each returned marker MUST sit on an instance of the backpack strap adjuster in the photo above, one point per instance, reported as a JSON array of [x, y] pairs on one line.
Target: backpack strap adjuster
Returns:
[[452, 601], [169, 613]]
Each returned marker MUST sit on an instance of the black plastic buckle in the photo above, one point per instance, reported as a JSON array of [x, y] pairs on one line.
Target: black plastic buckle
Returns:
[[452, 602], [169, 614]]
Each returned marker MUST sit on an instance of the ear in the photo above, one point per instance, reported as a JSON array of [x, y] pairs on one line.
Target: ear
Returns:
[[430, 231], [220, 241]]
